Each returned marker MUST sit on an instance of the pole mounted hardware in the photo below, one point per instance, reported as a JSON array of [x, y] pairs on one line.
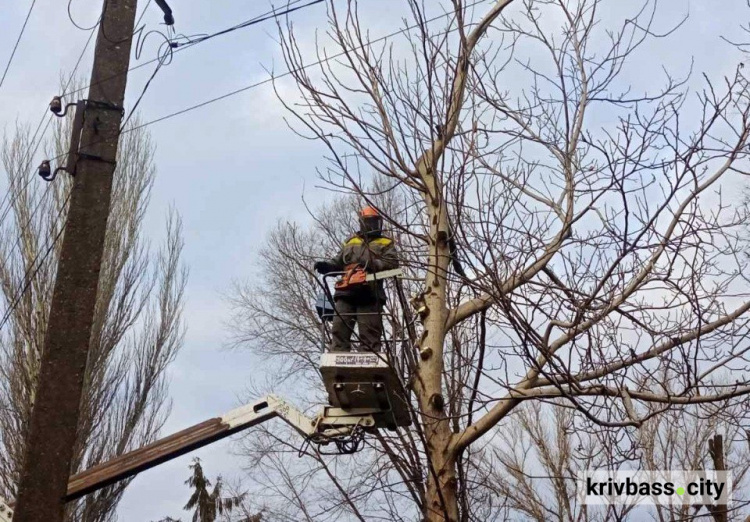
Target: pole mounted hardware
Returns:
[[168, 17], [56, 107], [74, 154], [47, 174]]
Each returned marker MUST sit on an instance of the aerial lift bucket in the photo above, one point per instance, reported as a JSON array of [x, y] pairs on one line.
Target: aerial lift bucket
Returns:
[[363, 381]]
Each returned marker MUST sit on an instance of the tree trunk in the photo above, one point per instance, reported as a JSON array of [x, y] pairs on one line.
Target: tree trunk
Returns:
[[441, 503]]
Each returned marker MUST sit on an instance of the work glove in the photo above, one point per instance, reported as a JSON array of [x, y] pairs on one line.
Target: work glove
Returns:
[[322, 267]]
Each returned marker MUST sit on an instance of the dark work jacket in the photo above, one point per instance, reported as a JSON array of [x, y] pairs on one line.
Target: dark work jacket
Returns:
[[375, 255]]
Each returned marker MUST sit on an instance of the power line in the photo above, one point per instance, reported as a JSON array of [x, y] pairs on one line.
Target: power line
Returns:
[[189, 43], [170, 46], [161, 59], [282, 75], [50, 117], [302, 68], [28, 276], [248, 23], [233, 93], [18, 41]]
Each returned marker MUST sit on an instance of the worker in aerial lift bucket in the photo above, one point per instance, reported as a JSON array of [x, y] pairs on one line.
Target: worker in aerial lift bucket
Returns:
[[357, 300]]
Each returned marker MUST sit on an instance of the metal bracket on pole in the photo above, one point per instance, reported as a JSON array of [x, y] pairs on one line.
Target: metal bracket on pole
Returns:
[[75, 140], [74, 153], [106, 106]]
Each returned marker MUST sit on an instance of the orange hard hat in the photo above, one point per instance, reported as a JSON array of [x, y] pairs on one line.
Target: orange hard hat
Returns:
[[369, 212]]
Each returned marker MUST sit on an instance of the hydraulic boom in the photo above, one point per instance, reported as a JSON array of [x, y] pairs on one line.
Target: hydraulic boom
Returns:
[[364, 391], [345, 428]]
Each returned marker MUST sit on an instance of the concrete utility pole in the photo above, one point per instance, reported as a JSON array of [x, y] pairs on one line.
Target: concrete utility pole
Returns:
[[54, 420]]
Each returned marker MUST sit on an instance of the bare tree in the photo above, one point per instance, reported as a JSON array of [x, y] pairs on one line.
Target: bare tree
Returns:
[[570, 234], [137, 326], [537, 472], [553, 443]]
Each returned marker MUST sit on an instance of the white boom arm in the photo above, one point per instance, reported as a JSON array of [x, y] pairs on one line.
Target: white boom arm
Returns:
[[331, 424]]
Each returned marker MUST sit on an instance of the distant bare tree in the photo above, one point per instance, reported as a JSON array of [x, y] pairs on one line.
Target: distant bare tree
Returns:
[[534, 460], [137, 326], [537, 471], [570, 231]]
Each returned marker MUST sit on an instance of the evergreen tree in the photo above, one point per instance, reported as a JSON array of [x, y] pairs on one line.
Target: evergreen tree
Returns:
[[207, 505]]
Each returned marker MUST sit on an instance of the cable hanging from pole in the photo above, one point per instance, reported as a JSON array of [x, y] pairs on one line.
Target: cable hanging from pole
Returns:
[[273, 78], [166, 51], [200, 38]]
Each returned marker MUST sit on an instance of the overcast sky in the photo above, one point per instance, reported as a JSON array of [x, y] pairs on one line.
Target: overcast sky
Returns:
[[233, 168]]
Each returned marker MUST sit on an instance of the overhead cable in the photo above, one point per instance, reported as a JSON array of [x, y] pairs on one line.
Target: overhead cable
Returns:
[[18, 41]]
